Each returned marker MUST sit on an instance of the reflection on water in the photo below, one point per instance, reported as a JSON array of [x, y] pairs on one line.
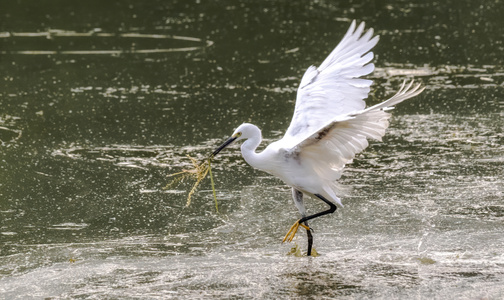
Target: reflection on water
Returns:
[[8, 132], [87, 142], [16, 46]]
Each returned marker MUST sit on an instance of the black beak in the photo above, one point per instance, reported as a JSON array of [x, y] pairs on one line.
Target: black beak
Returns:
[[226, 143]]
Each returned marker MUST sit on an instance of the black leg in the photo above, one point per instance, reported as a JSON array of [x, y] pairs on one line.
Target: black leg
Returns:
[[310, 241], [332, 208], [298, 200]]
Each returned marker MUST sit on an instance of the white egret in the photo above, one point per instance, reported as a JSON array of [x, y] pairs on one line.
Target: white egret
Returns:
[[329, 127]]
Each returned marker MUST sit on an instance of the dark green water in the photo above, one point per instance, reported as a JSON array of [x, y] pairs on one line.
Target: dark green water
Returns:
[[99, 102]]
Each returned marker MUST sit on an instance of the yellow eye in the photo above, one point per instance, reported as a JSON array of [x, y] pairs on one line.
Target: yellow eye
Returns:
[[237, 135]]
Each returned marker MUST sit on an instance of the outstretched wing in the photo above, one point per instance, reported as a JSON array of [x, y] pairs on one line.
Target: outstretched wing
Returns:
[[334, 88], [333, 145]]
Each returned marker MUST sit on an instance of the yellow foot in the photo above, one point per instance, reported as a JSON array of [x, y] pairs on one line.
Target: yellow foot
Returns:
[[292, 231]]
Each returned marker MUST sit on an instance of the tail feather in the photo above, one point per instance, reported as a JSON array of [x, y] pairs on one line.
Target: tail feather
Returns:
[[403, 94]]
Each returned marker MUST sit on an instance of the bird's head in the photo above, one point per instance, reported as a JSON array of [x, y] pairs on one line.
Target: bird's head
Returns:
[[244, 131]]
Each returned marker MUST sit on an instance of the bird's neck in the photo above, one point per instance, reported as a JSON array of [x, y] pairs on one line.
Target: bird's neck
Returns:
[[248, 149]]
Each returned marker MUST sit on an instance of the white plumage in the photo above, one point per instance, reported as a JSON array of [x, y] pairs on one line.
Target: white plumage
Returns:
[[330, 124]]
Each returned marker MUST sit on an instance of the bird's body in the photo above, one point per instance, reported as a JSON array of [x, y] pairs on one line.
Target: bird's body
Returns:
[[329, 127], [284, 163]]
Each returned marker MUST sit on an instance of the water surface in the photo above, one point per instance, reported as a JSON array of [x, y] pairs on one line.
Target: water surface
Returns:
[[101, 101]]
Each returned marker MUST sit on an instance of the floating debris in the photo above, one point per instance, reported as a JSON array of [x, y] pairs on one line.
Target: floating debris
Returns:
[[198, 173], [296, 251], [132, 40]]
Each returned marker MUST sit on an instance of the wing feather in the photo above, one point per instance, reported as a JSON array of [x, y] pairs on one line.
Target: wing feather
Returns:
[[334, 88], [335, 144], [330, 124]]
